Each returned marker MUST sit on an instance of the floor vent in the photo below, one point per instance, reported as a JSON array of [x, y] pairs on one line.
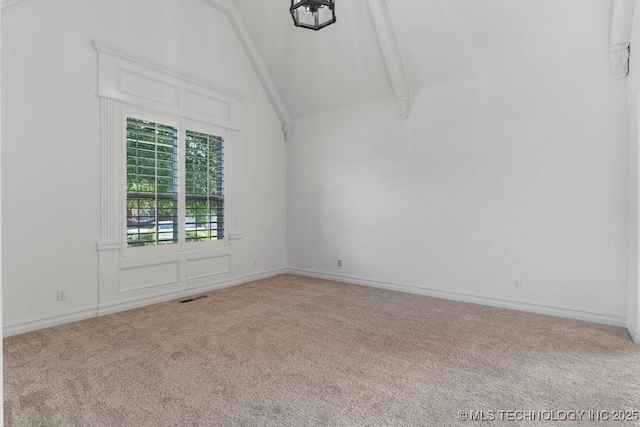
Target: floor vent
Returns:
[[191, 299]]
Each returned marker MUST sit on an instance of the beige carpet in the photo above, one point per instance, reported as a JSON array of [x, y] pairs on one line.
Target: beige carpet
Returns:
[[298, 351]]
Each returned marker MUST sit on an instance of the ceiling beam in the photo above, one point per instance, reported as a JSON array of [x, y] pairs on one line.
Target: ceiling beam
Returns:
[[389, 46], [237, 23], [621, 24]]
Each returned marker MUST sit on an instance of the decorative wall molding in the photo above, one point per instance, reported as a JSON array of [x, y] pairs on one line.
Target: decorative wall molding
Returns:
[[234, 185], [621, 26], [106, 48], [286, 129], [110, 223], [8, 4], [146, 276], [620, 61], [108, 246], [403, 103], [237, 23], [136, 302], [389, 46], [512, 304], [133, 86], [198, 268], [136, 80], [246, 41]]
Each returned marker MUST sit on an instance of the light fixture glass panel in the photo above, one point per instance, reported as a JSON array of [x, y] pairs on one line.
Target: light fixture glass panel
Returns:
[[325, 15], [305, 16]]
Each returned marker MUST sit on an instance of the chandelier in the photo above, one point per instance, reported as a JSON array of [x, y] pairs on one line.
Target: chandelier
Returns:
[[313, 14]]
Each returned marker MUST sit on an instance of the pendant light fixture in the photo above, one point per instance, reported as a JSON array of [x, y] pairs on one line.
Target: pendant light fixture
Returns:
[[313, 14]]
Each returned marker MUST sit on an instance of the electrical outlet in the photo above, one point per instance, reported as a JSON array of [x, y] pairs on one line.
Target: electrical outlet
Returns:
[[517, 285], [339, 263], [255, 262], [62, 294]]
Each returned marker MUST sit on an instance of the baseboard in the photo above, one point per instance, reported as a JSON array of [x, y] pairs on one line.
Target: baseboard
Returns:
[[42, 322], [36, 323], [513, 304], [634, 333], [118, 306]]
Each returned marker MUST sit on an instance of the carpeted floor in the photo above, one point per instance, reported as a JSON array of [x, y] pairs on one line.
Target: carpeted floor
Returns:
[[297, 351]]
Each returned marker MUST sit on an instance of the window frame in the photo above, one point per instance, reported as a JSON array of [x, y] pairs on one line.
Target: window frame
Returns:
[[196, 126], [182, 125]]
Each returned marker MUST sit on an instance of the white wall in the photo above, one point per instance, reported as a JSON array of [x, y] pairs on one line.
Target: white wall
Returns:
[[51, 140], [633, 314], [502, 177], [1, 342]]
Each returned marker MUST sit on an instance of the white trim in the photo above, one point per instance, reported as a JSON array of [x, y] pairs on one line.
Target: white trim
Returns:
[[42, 322], [634, 333], [115, 307], [114, 258], [403, 104], [246, 41], [620, 36], [244, 37], [8, 4], [47, 321], [391, 54], [107, 48], [620, 55], [182, 125], [143, 83], [287, 130], [110, 175], [512, 304], [240, 28], [108, 246]]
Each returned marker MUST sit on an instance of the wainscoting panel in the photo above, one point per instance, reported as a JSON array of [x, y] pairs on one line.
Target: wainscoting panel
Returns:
[[209, 266], [149, 276]]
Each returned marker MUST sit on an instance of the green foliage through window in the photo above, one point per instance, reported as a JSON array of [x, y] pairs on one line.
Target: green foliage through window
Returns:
[[152, 185], [152, 178], [204, 193]]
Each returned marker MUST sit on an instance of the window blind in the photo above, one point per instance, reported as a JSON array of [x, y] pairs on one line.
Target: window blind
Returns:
[[152, 177], [204, 189]]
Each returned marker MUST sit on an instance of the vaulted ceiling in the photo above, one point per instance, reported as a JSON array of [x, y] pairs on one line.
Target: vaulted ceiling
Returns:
[[439, 41], [319, 71]]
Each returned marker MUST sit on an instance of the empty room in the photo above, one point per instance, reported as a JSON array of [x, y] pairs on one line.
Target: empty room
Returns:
[[320, 212]]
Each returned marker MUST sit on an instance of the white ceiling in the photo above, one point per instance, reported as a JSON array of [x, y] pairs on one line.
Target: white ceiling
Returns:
[[445, 40], [439, 41], [316, 71]]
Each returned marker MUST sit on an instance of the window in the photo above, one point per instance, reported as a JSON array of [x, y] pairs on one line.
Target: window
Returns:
[[204, 172], [156, 187], [152, 190]]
